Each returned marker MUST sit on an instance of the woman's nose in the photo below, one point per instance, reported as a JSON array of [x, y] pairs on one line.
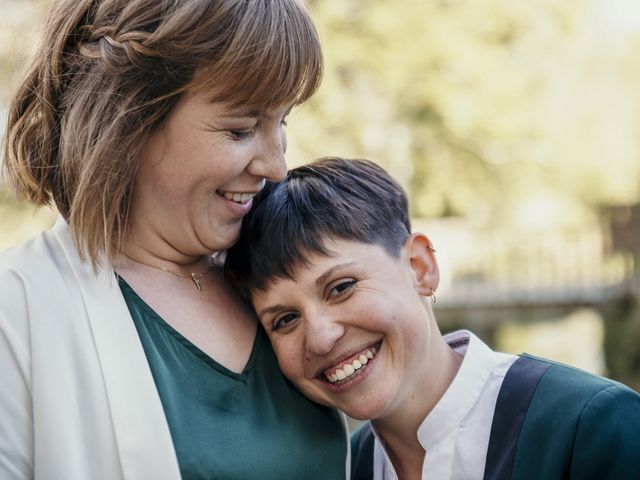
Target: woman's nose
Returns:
[[269, 161], [322, 333]]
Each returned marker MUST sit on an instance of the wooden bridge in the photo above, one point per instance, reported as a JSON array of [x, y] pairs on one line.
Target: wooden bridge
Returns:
[[483, 272]]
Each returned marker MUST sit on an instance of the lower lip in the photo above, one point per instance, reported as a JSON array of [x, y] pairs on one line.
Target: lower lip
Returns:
[[356, 380], [238, 209]]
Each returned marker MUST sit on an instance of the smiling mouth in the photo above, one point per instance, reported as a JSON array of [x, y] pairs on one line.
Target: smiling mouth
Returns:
[[241, 198], [349, 370]]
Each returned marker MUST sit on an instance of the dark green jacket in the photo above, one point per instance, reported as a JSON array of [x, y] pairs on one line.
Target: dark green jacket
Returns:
[[551, 422]]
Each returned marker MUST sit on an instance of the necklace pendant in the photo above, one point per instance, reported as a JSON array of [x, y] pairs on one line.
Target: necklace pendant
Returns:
[[196, 280]]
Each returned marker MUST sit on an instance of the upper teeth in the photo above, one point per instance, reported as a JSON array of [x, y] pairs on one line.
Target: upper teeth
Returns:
[[349, 369], [238, 197]]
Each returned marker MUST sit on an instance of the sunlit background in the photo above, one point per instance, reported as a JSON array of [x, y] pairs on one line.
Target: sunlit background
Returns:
[[515, 128]]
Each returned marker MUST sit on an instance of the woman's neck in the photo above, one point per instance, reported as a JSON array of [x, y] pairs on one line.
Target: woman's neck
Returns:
[[399, 429], [163, 248]]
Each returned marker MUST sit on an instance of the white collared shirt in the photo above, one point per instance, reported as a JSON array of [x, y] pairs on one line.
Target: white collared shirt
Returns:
[[455, 434]]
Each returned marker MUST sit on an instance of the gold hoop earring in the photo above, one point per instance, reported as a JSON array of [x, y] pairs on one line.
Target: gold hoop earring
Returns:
[[433, 297]]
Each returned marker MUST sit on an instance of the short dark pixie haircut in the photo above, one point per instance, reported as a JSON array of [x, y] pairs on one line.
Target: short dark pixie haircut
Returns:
[[329, 199]]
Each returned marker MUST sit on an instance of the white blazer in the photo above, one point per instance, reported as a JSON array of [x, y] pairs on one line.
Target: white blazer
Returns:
[[77, 398]]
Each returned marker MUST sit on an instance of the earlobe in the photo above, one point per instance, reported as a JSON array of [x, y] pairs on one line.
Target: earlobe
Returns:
[[423, 263]]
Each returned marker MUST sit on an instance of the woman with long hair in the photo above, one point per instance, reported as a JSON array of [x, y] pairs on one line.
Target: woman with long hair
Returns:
[[150, 125]]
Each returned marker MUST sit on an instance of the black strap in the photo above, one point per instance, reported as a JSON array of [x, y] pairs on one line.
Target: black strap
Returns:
[[362, 453], [513, 402]]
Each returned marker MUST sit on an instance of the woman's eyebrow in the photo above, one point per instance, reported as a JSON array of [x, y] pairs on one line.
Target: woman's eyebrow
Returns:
[[271, 309], [241, 114], [323, 278]]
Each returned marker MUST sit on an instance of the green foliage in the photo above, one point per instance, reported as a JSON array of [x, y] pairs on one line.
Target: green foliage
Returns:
[[19, 22], [478, 106], [621, 343]]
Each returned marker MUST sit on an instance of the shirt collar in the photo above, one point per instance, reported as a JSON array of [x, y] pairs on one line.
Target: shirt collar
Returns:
[[478, 362]]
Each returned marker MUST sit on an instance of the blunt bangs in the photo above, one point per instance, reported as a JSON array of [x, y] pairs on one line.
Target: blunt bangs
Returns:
[[272, 58], [330, 199]]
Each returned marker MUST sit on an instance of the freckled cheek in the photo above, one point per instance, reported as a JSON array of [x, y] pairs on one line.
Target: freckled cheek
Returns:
[[375, 318], [229, 167], [290, 360], [414, 335]]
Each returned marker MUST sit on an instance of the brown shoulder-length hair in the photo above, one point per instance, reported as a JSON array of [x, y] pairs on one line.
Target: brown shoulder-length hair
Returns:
[[107, 74]]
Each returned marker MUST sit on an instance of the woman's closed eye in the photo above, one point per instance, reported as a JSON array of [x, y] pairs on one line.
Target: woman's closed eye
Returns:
[[283, 121], [241, 134]]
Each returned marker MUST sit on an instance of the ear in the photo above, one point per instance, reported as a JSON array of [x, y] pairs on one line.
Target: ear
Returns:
[[420, 254]]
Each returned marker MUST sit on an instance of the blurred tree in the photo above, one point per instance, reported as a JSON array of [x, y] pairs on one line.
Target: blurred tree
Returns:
[[479, 106], [19, 29]]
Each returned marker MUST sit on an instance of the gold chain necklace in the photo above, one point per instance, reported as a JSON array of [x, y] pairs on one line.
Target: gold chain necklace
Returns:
[[195, 277]]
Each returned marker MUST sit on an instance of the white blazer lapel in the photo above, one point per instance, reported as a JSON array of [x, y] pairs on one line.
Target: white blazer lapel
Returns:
[[141, 430]]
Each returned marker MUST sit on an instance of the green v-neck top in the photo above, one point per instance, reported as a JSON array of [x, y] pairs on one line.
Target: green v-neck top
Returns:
[[227, 425]]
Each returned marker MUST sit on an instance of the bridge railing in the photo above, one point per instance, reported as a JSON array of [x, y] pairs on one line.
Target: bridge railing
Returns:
[[485, 268]]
